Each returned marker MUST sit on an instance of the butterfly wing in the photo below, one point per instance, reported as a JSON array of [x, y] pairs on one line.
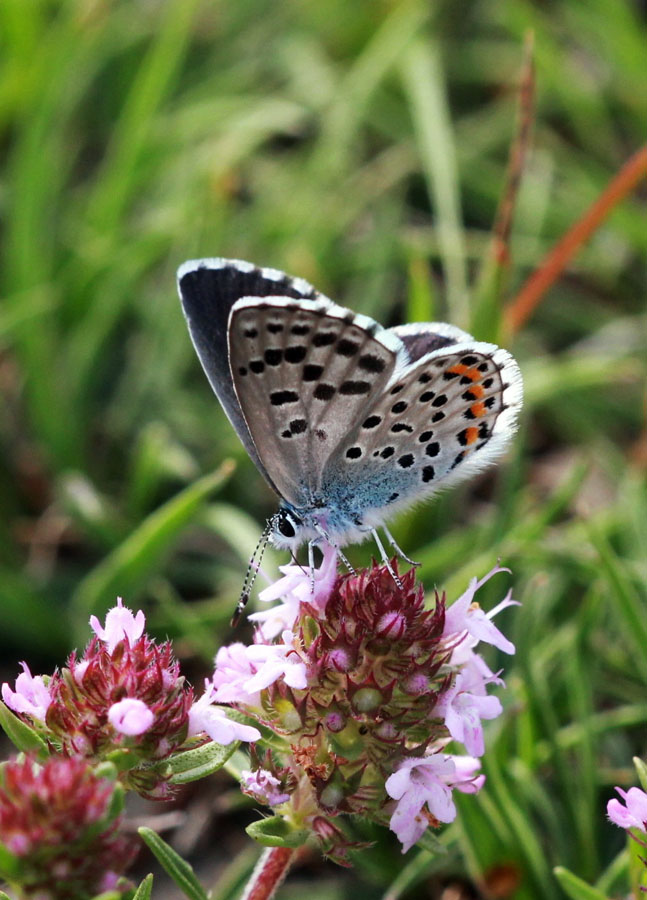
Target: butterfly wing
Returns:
[[303, 373], [441, 418], [208, 289]]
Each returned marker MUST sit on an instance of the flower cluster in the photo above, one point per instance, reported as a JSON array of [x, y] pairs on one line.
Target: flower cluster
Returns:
[[60, 830], [124, 695], [366, 687]]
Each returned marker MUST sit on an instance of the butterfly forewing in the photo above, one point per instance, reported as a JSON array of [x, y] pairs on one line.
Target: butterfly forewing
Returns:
[[208, 290], [304, 373], [441, 419]]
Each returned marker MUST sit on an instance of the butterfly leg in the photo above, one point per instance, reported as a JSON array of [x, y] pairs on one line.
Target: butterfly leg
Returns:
[[385, 558], [398, 549], [311, 563], [324, 534]]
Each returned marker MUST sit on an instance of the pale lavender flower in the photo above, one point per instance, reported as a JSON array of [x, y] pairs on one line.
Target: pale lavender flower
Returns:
[[466, 622], [294, 589], [213, 720], [634, 813], [469, 780], [120, 624], [242, 672], [31, 696], [422, 788], [130, 716], [263, 787], [463, 706]]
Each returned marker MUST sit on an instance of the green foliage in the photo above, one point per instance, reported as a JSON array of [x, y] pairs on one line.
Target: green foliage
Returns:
[[179, 870], [364, 147]]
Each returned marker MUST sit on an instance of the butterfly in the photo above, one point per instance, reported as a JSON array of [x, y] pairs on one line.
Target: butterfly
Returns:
[[347, 421]]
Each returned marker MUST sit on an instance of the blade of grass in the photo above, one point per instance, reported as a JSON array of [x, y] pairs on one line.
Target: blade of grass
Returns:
[[123, 570], [424, 83]]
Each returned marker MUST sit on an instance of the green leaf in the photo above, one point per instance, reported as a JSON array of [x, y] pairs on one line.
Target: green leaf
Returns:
[[430, 842], [276, 832], [641, 769], [4, 896], [9, 865], [145, 889], [198, 763], [575, 887], [22, 735], [123, 570], [179, 870]]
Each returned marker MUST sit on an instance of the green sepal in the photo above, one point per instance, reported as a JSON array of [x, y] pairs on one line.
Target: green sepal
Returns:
[[145, 889], [575, 888], [275, 831], [641, 769], [431, 844], [123, 760], [200, 762], [10, 865], [173, 864], [22, 736]]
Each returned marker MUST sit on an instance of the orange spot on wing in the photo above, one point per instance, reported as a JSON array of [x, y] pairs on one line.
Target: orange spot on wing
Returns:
[[473, 374], [478, 409], [458, 369], [471, 434], [477, 390]]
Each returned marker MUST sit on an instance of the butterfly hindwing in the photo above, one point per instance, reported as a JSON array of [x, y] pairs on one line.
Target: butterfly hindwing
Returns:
[[439, 420], [303, 373]]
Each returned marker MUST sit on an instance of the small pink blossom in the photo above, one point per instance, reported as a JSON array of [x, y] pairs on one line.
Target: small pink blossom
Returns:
[[295, 588], [213, 720], [120, 624], [130, 716], [634, 813], [468, 777], [462, 707], [465, 618], [420, 783], [263, 786], [242, 672], [31, 696]]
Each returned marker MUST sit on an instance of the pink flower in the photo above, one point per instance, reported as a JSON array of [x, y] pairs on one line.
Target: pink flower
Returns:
[[242, 672], [465, 621], [634, 813], [423, 788], [31, 696], [120, 624], [463, 706], [213, 720], [296, 588], [469, 781], [130, 716], [263, 787]]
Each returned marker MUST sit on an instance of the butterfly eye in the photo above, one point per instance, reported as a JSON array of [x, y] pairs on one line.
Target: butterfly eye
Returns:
[[286, 523]]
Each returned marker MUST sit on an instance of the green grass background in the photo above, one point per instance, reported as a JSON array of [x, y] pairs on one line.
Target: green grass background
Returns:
[[362, 146]]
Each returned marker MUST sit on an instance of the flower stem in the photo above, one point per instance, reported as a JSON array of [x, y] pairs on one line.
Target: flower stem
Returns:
[[270, 870]]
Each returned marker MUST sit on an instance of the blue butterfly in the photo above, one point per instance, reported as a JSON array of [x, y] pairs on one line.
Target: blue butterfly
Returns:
[[347, 421]]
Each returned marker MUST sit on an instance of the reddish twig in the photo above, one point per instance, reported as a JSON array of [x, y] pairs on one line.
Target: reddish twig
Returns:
[[270, 870], [558, 258], [517, 158]]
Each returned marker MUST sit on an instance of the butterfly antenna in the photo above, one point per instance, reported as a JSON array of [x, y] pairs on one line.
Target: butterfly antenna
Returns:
[[252, 571]]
